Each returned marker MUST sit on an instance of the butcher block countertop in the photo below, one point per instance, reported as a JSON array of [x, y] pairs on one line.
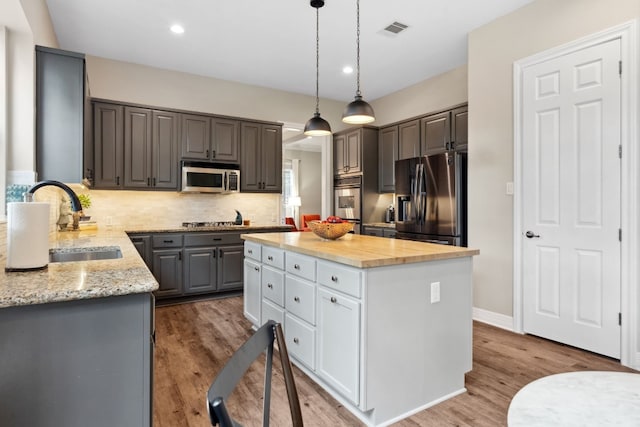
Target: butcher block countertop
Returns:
[[360, 251]]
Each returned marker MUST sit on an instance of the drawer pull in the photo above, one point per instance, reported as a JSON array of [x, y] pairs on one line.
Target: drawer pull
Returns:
[[256, 268], [296, 266], [249, 251], [167, 241], [334, 299], [270, 258], [296, 299], [269, 285], [334, 279], [296, 340], [216, 239]]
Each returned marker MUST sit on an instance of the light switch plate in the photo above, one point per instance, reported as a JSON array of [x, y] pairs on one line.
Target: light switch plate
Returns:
[[510, 188]]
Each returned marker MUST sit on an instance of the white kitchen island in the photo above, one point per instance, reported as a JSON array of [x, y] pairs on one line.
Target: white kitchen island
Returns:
[[384, 325]]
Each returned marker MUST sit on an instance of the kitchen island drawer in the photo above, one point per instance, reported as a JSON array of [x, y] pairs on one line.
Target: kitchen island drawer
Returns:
[[273, 285], [301, 265], [270, 311], [342, 279], [300, 298], [167, 240], [301, 341], [212, 239], [253, 251], [273, 256]]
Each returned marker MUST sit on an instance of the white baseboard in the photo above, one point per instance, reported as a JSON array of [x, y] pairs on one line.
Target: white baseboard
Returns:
[[21, 177], [493, 318]]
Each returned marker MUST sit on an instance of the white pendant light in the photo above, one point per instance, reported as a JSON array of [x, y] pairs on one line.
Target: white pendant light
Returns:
[[358, 112], [317, 126]]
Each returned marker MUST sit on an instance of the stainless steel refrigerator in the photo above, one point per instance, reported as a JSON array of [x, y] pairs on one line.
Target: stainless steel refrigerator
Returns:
[[431, 198]]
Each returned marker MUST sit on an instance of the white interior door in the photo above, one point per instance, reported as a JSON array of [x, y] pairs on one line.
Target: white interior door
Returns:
[[571, 198]]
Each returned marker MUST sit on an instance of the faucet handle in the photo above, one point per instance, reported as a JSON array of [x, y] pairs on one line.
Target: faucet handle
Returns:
[[27, 197]]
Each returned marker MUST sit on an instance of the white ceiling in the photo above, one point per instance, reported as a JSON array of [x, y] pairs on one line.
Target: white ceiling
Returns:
[[272, 43]]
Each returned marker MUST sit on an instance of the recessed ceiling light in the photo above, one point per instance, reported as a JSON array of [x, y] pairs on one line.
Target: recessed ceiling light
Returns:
[[177, 29], [347, 70]]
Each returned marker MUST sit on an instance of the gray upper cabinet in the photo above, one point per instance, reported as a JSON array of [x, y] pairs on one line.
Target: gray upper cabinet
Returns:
[[347, 152], [137, 147], [210, 138], [60, 116], [225, 141], [436, 133], [459, 129], [387, 154], [409, 139], [165, 147], [108, 145], [339, 154], [261, 158], [195, 136]]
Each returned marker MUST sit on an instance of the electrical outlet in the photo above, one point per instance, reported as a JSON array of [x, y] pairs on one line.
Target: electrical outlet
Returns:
[[435, 292]]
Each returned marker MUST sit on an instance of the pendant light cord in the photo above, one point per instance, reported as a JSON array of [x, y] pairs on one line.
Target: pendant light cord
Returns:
[[358, 48], [317, 60]]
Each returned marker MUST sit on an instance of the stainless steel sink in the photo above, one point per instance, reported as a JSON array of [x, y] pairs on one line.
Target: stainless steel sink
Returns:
[[84, 254]]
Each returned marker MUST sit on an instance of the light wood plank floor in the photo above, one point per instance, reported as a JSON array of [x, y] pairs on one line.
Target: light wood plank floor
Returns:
[[194, 340]]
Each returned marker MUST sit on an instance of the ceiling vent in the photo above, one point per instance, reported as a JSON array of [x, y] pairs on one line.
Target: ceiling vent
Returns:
[[396, 27]]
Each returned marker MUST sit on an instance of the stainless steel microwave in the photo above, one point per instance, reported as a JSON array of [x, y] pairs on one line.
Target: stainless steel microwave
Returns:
[[199, 177]]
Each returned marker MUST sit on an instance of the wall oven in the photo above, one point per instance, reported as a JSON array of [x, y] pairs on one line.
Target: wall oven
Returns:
[[200, 177], [348, 200]]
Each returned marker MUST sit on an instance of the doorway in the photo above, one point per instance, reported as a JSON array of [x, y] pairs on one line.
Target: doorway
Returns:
[[573, 281]]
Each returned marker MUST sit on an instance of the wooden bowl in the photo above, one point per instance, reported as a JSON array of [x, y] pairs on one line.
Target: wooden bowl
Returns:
[[330, 231]]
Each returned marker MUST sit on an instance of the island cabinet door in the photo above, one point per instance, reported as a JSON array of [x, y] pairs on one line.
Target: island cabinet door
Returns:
[[252, 294], [338, 332]]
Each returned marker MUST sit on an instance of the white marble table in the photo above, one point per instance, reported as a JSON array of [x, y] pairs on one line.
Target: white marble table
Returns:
[[589, 398]]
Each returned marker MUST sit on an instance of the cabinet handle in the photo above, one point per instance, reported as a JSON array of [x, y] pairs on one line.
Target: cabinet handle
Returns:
[[180, 256], [213, 154], [295, 340], [270, 258], [117, 180], [334, 299], [213, 253], [207, 153], [250, 251], [296, 299], [148, 182], [256, 268], [296, 266], [269, 285], [452, 145], [446, 146], [334, 279], [216, 239], [167, 241], [221, 252], [154, 182]]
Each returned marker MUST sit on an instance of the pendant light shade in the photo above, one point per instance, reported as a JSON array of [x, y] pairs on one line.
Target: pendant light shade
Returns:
[[317, 126], [358, 111]]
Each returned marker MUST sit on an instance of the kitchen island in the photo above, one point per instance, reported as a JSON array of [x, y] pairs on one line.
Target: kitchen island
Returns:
[[77, 338], [384, 325]]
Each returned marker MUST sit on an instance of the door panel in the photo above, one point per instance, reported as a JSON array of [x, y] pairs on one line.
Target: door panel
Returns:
[[571, 199]]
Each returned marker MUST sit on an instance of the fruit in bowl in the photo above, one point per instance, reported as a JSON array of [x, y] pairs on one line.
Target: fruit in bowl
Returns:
[[332, 228]]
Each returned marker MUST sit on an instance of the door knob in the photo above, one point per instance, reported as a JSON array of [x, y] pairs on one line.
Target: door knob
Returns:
[[531, 235]]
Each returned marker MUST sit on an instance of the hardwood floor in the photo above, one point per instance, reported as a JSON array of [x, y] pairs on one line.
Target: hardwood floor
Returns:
[[194, 340]]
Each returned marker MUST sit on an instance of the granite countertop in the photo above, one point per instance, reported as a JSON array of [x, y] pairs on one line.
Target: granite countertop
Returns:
[[361, 251], [380, 224], [78, 280]]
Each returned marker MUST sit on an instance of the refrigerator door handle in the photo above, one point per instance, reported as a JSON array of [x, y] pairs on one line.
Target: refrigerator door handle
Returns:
[[415, 193], [421, 196]]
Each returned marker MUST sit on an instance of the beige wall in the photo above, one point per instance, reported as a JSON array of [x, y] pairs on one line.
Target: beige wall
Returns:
[[492, 51], [37, 14]]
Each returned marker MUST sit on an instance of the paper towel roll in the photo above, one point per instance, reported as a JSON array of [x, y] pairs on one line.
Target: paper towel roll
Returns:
[[27, 235]]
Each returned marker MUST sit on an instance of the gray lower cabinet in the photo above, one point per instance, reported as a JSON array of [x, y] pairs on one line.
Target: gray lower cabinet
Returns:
[[142, 243], [200, 270], [379, 231], [78, 363], [230, 267], [167, 269]]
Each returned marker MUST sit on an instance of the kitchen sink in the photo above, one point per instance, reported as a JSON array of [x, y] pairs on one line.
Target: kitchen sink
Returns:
[[84, 254]]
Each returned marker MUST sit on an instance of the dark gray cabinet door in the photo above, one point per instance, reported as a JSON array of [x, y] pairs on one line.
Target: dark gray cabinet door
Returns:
[[250, 166], [142, 243], [409, 140], [225, 140], [167, 269], [230, 267], [260, 158], [195, 136], [354, 152], [372, 231], [165, 163], [271, 158], [436, 133], [387, 154], [108, 145], [339, 161], [459, 137], [137, 147], [199, 270], [60, 97]]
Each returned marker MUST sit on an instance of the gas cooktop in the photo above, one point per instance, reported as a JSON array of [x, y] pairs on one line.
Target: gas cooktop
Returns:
[[196, 224]]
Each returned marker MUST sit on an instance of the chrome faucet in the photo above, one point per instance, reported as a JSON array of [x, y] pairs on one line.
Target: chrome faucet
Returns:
[[76, 206]]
